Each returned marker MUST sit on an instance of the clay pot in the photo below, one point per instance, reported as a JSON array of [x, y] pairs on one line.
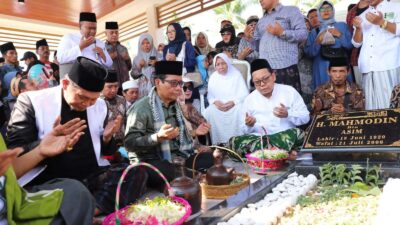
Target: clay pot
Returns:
[[186, 187], [219, 174]]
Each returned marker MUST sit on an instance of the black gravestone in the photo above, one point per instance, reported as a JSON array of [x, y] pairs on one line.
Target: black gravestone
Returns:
[[353, 138]]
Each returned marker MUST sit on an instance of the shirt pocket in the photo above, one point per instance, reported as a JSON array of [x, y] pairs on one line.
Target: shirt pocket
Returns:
[[285, 22]]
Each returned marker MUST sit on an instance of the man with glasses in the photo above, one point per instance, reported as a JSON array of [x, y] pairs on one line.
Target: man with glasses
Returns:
[[273, 109], [156, 132], [74, 103]]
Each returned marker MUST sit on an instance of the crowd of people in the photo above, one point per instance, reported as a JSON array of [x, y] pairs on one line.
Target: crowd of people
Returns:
[[73, 125]]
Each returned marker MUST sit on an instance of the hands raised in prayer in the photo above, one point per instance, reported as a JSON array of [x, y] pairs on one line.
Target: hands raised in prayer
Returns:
[[62, 137], [167, 132], [111, 128], [245, 52], [376, 19], [335, 32], [337, 108], [170, 57], [224, 106], [85, 42], [357, 21], [6, 159], [275, 29], [281, 111], [250, 120], [202, 129]]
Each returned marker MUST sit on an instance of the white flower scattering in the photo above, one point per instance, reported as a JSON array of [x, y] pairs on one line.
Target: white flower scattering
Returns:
[[274, 205], [388, 211]]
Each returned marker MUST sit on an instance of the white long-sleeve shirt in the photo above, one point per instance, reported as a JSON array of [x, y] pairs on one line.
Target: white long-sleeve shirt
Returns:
[[380, 49], [69, 50], [262, 109]]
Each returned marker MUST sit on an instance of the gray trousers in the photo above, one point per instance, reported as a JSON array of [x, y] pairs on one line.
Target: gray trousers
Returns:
[[77, 206]]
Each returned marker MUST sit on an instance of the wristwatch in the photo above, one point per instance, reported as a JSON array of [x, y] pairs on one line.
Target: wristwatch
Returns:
[[384, 24]]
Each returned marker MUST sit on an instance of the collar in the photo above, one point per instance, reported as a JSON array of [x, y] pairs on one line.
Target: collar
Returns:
[[380, 5], [108, 43], [331, 87], [277, 8]]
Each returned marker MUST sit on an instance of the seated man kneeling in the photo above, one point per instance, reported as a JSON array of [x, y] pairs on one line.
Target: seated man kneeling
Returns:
[[156, 132], [273, 109], [338, 95]]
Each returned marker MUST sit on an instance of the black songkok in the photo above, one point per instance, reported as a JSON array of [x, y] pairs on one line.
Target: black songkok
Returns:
[[87, 16], [112, 77], [5, 47], [169, 68], [338, 62], [259, 64], [88, 74], [42, 42], [112, 25]]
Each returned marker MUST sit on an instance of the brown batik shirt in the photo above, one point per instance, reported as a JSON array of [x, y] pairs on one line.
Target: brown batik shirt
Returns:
[[325, 96]]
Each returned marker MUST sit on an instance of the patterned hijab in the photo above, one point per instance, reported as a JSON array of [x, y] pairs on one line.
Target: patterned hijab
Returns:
[[327, 22]]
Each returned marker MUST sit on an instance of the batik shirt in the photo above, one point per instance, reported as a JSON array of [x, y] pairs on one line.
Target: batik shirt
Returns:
[[325, 95], [117, 106]]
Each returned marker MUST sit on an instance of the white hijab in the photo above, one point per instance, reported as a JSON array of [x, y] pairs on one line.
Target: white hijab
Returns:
[[208, 48], [227, 87], [145, 55]]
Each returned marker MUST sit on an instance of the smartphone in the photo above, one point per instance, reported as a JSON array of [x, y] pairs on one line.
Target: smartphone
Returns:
[[151, 58]]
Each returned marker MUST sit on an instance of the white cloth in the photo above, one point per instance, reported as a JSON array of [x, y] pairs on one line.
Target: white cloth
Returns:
[[48, 107], [378, 88], [225, 88], [380, 49], [69, 50], [262, 109]]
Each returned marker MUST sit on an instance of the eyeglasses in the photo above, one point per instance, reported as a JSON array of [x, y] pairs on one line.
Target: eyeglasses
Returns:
[[187, 88], [225, 34], [264, 80], [171, 31], [325, 9], [174, 83]]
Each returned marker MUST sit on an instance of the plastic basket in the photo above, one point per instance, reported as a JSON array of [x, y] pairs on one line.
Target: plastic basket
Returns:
[[262, 166], [119, 216]]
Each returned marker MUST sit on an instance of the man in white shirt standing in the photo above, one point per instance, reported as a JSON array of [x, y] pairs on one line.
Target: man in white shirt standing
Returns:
[[83, 43], [377, 30], [272, 109]]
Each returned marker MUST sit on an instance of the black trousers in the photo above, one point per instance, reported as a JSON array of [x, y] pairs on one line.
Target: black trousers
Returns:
[[103, 186]]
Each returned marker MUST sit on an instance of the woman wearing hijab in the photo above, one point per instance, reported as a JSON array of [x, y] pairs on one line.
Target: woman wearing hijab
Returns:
[[143, 64], [226, 92], [229, 44], [179, 49], [202, 43], [315, 41]]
